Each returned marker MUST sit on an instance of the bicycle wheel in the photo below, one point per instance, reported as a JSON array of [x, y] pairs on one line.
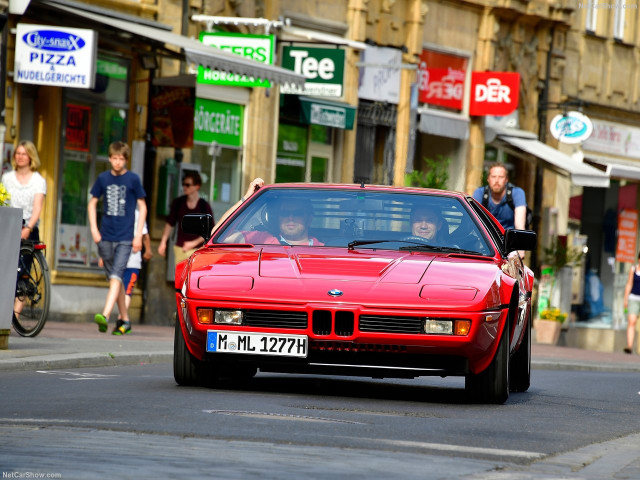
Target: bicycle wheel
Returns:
[[33, 293]]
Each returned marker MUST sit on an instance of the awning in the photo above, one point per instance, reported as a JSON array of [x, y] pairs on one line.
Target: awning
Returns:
[[443, 124], [330, 114], [290, 33], [194, 51], [581, 173], [614, 167]]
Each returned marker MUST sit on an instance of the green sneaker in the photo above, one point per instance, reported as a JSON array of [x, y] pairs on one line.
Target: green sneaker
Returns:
[[122, 328], [101, 320]]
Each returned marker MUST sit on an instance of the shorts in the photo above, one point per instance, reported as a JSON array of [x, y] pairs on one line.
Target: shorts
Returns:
[[129, 280], [115, 256], [633, 306]]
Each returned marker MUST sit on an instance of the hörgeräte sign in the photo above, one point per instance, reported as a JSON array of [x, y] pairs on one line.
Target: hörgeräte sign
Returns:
[[218, 122], [57, 56]]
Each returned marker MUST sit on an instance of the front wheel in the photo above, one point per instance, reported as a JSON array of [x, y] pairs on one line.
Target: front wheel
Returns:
[[186, 368], [33, 293], [521, 363], [492, 385]]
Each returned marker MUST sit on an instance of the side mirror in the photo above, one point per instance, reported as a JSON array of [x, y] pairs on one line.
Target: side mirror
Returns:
[[198, 224], [519, 240]]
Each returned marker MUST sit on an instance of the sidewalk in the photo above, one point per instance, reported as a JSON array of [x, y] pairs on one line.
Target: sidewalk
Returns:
[[78, 345]]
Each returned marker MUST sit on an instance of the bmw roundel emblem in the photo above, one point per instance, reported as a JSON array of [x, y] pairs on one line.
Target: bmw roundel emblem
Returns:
[[335, 292]]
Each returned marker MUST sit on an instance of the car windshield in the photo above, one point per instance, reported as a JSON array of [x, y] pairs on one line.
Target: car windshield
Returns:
[[356, 219]]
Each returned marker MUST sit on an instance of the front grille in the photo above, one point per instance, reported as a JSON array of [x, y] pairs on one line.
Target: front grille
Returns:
[[391, 324], [327, 346], [275, 319], [321, 322], [344, 324]]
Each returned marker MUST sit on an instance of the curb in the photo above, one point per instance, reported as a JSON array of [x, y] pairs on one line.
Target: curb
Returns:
[[81, 360]]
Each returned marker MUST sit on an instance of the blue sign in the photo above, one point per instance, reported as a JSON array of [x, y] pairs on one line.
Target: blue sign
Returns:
[[571, 127]]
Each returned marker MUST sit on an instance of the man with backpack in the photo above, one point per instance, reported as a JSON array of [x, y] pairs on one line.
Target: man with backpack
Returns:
[[505, 201]]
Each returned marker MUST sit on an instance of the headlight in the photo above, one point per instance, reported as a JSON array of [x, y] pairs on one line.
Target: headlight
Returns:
[[228, 317], [442, 326]]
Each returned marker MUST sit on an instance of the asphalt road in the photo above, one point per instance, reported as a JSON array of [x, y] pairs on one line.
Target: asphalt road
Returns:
[[134, 422]]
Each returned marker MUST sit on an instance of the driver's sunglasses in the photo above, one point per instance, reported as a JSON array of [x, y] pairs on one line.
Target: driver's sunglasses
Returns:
[[185, 185], [292, 212]]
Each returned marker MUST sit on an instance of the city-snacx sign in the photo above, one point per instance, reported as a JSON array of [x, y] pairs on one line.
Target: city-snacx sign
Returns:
[[494, 93]]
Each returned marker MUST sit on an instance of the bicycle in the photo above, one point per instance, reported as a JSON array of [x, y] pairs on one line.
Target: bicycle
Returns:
[[33, 290]]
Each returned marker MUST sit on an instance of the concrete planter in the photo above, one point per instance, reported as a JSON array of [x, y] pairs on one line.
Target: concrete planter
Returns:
[[10, 227], [547, 331]]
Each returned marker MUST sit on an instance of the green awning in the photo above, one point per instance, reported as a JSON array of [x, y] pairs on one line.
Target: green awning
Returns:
[[330, 114]]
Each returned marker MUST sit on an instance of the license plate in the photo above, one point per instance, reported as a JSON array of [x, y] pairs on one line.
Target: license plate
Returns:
[[257, 343]]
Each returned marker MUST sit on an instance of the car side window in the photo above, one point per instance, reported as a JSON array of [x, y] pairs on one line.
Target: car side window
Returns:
[[490, 224]]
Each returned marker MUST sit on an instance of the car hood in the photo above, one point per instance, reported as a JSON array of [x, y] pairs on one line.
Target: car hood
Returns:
[[302, 275]]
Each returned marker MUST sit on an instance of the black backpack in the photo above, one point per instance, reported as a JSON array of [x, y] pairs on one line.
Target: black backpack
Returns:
[[528, 222]]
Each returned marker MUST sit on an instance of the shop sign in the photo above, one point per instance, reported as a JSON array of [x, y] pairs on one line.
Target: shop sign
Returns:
[[494, 93], [218, 122], [627, 232], [571, 127], [57, 56], [441, 79], [255, 47], [323, 69], [614, 139], [381, 84]]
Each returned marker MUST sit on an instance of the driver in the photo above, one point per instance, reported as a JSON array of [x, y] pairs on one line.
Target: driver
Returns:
[[292, 217], [425, 222]]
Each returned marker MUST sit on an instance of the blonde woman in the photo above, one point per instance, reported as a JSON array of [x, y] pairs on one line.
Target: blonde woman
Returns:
[[27, 187]]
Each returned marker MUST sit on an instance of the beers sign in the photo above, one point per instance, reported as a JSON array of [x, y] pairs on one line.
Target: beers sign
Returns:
[[254, 47], [322, 67], [494, 93]]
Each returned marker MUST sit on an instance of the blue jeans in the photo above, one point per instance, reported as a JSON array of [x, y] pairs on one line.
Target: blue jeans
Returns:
[[115, 256]]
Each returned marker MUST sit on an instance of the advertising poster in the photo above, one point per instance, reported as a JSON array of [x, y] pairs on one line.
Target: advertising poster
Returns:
[[627, 231], [172, 117]]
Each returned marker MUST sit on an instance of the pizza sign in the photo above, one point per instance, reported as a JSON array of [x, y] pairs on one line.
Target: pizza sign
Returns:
[[494, 93]]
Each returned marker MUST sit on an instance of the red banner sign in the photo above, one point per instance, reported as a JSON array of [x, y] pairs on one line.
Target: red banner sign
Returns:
[[494, 93], [78, 128], [441, 79], [627, 231]]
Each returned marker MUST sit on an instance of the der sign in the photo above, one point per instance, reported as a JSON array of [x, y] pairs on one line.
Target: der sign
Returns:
[[322, 67], [57, 56], [494, 93]]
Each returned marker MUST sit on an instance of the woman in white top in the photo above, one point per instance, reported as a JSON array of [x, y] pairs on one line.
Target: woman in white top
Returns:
[[26, 187]]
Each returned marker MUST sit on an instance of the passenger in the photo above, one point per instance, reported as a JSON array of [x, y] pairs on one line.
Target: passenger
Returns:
[[425, 222]]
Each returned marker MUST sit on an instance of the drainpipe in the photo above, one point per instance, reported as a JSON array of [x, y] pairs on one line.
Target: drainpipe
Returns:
[[543, 105]]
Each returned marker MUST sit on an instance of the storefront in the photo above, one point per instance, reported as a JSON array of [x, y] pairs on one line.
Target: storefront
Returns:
[[312, 118], [609, 219]]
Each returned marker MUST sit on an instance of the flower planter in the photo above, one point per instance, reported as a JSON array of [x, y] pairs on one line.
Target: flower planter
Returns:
[[547, 331], [10, 227]]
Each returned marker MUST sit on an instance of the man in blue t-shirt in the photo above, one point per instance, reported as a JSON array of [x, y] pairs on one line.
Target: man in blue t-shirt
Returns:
[[121, 191], [512, 215]]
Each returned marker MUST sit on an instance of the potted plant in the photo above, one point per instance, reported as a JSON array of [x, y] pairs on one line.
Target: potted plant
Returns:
[[11, 221]]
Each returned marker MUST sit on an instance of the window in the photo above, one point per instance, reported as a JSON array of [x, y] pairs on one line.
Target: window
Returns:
[[591, 17], [618, 20]]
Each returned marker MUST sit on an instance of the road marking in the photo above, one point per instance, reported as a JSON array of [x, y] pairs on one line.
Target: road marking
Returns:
[[77, 375], [280, 416], [57, 420], [441, 447]]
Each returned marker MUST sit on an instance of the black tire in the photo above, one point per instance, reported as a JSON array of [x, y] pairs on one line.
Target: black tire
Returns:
[[521, 363], [492, 385], [33, 290], [187, 370]]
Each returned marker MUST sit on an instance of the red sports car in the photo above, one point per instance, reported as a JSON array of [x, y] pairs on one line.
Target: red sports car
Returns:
[[362, 280]]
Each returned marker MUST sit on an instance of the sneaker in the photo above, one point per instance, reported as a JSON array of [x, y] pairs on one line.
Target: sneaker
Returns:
[[627, 350], [122, 328], [101, 320]]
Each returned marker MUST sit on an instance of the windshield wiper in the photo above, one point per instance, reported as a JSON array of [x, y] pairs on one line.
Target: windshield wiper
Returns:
[[434, 248], [356, 243]]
